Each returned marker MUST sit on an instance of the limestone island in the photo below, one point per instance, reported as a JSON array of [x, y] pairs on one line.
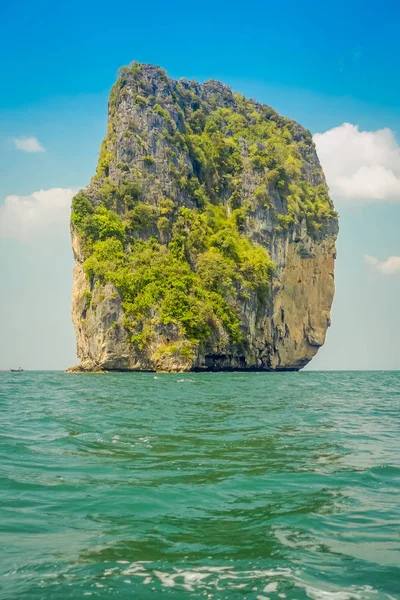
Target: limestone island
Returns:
[[206, 238]]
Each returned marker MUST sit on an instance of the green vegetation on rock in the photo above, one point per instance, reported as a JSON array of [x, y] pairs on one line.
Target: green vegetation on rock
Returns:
[[183, 174], [195, 281]]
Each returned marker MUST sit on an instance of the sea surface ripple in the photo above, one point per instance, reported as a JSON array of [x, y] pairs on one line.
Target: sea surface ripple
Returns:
[[221, 486]]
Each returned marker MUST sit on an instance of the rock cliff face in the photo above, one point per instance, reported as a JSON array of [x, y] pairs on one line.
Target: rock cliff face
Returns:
[[206, 238]]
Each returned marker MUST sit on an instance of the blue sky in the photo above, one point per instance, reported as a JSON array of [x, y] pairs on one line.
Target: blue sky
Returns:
[[323, 64]]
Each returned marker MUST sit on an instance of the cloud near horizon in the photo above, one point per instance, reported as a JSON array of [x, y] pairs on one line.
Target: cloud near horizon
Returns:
[[42, 214], [390, 266], [28, 144], [360, 166]]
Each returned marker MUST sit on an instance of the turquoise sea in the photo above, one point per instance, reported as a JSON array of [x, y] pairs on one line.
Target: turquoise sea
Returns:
[[217, 486]]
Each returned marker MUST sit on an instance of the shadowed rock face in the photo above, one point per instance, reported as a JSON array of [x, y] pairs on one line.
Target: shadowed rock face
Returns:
[[206, 239]]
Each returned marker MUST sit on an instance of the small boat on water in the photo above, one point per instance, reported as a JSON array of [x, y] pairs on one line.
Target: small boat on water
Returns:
[[18, 370]]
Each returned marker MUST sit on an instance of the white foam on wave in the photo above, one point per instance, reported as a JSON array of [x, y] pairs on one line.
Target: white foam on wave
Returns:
[[271, 587], [317, 594], [167, 579], [222, 578]]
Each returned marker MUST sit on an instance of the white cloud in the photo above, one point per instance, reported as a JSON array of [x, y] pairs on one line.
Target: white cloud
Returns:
[[29, 144], [360, 165], [390, 266], [41, 215]]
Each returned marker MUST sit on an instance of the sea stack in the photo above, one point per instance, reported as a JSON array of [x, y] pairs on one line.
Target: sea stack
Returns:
[[206, 238]]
